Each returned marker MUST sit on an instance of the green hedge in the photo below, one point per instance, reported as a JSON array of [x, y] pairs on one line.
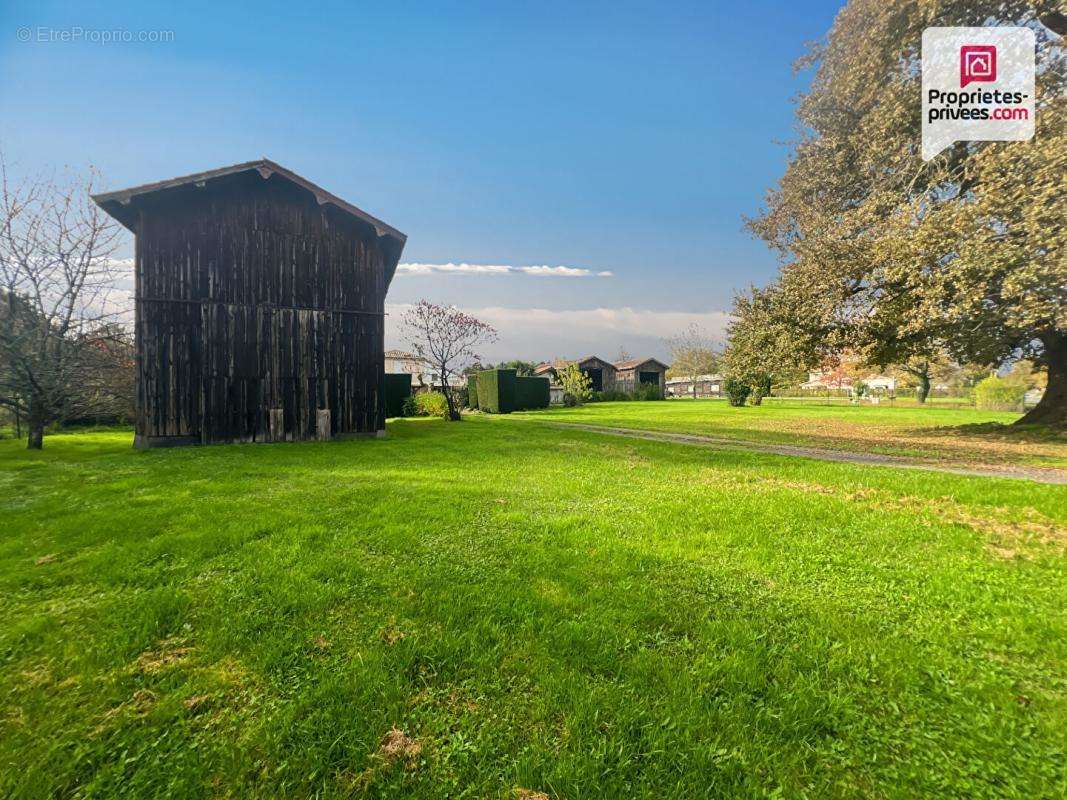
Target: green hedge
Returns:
[[397, 389], [472, 391], [531, 392], [496, 390]]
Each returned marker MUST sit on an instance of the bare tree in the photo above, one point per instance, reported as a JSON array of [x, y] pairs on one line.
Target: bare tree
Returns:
[[692, 353], [57, 317], [447, 339]]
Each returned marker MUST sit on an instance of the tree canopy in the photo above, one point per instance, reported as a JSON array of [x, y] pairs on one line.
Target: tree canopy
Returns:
[[895, 258]]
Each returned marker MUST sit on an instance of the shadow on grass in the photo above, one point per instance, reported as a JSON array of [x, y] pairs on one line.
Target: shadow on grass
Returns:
[[999, 432]]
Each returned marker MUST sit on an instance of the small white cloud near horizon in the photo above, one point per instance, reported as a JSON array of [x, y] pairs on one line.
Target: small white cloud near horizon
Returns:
[[501, 269]]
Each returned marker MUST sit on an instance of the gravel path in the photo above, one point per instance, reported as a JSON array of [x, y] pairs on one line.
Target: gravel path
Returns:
[[823, 454]]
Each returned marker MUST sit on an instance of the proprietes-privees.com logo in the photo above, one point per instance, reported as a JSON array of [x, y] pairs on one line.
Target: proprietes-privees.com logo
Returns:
[[978, 64]]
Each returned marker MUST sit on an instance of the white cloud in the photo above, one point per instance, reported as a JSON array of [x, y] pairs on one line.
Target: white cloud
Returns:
[[500, 269], [544, 333]]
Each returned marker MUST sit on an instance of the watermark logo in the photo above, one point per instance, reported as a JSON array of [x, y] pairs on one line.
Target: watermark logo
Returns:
[[1000, 108], [76, 34], [978, 63]]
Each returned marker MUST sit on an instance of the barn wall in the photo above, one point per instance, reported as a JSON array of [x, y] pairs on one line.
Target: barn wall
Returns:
[[257, 309]]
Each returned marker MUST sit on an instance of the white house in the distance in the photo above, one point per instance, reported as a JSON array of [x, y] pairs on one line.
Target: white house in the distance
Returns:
[[837, 380], [423, 378]]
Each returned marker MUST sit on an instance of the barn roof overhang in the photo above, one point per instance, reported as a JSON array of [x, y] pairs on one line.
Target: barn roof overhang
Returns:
[[640, 362], [122, 204]]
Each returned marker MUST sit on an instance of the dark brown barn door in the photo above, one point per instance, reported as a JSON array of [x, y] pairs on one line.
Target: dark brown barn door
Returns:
[[596, 377], [649, 377]]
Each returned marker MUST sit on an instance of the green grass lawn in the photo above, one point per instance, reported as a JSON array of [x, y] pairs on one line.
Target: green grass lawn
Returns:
[[958, 436], [475, 609]]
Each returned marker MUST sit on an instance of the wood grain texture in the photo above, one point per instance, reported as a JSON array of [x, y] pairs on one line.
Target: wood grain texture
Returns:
[[257, 310]]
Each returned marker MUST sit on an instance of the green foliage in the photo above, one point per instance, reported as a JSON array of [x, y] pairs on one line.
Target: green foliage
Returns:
[[999, 394], [892, 257], [409, 408], [737, 392], [647, 391], [575, 383], [397, 390], [522, 368], [472, 390], [496, 391], [531, 392], [431, 404], [643, 391]]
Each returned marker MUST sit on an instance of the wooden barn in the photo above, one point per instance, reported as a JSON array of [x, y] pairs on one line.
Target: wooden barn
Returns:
[[601, 373], [260, 304], [630, 374]]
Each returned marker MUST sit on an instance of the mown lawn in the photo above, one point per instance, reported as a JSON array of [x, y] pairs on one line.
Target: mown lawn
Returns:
[[952, 436], [476, 609]]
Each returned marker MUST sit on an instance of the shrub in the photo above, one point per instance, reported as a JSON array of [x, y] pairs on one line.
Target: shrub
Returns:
[[531, 392], [999, 394], [736, 391], [647, 391], [496, 391], [569, 400], [472, 390], [575, 383], [431, 404], [760, 388], [409, 408]]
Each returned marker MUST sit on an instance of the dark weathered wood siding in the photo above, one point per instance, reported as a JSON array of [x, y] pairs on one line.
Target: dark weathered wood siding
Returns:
[[257, 311]]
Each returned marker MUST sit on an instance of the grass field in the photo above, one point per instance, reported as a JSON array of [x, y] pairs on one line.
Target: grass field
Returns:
[[497, 609], [954, 436]]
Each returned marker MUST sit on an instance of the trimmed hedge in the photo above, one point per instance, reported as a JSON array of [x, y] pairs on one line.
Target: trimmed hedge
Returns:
[[397, 390], [496, 390], [531, 392], [472, 390]]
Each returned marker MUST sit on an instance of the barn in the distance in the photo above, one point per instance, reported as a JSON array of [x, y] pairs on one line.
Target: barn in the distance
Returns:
[[260, 301]]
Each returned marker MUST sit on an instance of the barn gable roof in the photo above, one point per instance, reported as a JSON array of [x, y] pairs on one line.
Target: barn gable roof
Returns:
[[634, 363], [119, 203]]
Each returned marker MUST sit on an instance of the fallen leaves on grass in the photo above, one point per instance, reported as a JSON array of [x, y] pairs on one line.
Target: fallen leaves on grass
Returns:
[[530, 794], [169, 653], [1009, 533], [48, 559], [391, 634], [196, 702]]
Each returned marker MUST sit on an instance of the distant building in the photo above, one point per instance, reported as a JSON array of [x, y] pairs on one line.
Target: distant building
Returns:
[[695, 386], [837, 379], [640, 372], [604, 376], [423, 377], [601, 373]]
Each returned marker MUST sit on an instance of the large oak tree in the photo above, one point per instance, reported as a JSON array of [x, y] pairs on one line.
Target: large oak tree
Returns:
[[894, 258]]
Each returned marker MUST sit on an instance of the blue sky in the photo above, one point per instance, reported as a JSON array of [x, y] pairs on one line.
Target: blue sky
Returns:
[[615, 137]]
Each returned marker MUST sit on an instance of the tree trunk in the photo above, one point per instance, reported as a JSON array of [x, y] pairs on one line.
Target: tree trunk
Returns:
[[1052, 410], [35, 426], [923, 390], [450, 400]]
